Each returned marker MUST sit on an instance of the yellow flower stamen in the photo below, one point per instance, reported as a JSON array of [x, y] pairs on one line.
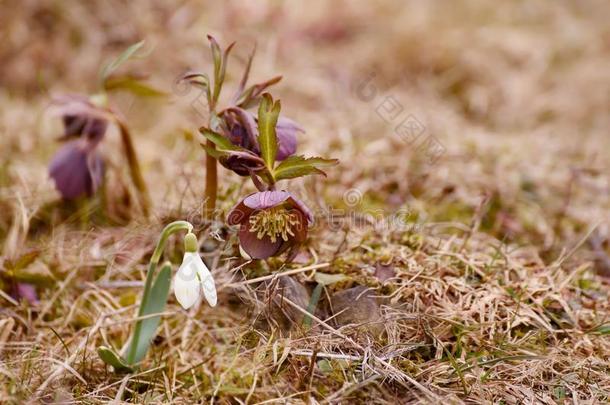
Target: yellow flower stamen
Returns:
[[274, 222]]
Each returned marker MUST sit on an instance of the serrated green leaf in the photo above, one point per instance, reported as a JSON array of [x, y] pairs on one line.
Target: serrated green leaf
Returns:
[[156, 304], [221, 142], [134, 86], [124, 57], [297, 166], [113, 359], [268, 113]]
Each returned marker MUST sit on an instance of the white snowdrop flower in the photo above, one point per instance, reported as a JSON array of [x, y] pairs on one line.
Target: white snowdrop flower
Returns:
[[193, 276]]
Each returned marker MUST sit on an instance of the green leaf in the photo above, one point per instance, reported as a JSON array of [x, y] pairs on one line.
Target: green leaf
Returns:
[[215, 153], [111, 358], [313, 303], [22, 261], [223, 68], [297, 166], [603, 329], [220, 65], [249, 97], [221, 142], [268, 113], [200, 80], [216, 56], [134, 86], [156, 304], [197, 79], [325, 366], [124, 57]]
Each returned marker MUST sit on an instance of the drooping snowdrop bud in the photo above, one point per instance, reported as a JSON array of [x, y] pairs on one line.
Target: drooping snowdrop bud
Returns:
[[193, 276]]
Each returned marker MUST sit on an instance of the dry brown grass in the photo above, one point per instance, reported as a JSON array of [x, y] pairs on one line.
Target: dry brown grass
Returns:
[[499, 295]]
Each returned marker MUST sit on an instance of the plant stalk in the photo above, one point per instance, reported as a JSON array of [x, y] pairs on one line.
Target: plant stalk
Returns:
[[211, 184], [134, 168]]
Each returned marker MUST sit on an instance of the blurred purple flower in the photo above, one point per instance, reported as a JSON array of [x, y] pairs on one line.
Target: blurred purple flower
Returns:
[[76, 125], [81, 116], [270, 222], [27, 292], [77, 168]]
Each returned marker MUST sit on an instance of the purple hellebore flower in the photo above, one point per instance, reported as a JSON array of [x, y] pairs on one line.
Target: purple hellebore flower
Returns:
[[242, 162], [270, 222], [81, 116], [76, 125], [286, 131], [77, 168], [241, 128]]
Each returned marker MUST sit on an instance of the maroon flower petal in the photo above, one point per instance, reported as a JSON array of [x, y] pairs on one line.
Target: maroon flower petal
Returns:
[[255, 202], [258, 248], [286, 131], [301, 227], [239, 214], [266, 199], [300, 205], [242, 162], [243, 129]]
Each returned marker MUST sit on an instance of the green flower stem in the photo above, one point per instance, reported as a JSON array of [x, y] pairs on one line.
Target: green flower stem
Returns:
[[154, 261], [134, 168]]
